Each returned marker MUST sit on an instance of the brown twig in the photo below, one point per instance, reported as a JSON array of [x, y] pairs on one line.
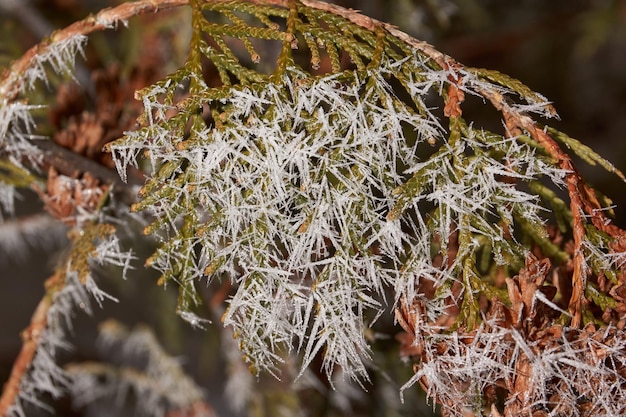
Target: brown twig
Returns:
[[578, 193], [577, 206], [13, 76], [197, 409], [31, 338], [69, 163], [582, 198]]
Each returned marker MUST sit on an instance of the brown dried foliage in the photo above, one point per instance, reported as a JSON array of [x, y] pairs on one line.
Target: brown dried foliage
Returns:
[[536, 296], [84, 125], [72, 200]]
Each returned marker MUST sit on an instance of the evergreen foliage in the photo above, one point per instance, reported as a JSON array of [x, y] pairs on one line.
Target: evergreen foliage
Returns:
[[321, 163]]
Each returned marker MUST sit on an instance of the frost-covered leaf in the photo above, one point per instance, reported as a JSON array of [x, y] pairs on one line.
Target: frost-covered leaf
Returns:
[[319, 193]]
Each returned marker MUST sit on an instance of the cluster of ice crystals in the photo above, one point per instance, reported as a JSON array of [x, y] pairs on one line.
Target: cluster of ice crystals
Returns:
[[318, 176], [45, 376], [468, 194], [532, 102], [16, 121], [60, 56], [460, 375], [290, 196], [160, 386], [109, 252], [570, 371], [601, 258], [16, 132]]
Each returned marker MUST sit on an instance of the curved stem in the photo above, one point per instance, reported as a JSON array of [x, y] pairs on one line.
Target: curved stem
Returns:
[[108, 18], [105, 19], [31, 338]]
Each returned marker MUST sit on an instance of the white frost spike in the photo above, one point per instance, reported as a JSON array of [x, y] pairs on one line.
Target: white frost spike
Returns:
[[7, 196], [61, 56], [16, 127], [109, 252], [158, 387], [193, 319], [98, 294], [15, 113], [110, 20]]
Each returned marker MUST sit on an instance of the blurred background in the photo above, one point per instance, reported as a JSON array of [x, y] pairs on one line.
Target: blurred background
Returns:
[[571, 51]]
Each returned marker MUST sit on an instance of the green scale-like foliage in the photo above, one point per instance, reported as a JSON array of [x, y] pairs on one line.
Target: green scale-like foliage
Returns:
[[326, 184]]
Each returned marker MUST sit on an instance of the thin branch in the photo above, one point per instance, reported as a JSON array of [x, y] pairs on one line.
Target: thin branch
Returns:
[[109, 17], [105, 19], [576, 188], [69, 163], [31, 338]]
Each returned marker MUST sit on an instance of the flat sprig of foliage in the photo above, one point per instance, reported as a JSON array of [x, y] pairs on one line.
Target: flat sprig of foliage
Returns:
[[321, 163], [318, 187]]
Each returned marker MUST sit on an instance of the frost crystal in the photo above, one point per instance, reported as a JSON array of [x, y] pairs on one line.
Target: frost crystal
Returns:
[[60, 55], [16, 127], [160, 387], [292, 195], [109, 252], [328, 198], [583, 371]]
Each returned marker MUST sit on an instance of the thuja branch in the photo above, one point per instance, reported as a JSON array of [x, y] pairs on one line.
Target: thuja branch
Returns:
[[13, 77], [31, 337], [65, 291], [302, 183]]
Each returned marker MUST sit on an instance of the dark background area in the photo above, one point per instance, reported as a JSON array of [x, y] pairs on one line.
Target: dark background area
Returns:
[[571, 51]]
